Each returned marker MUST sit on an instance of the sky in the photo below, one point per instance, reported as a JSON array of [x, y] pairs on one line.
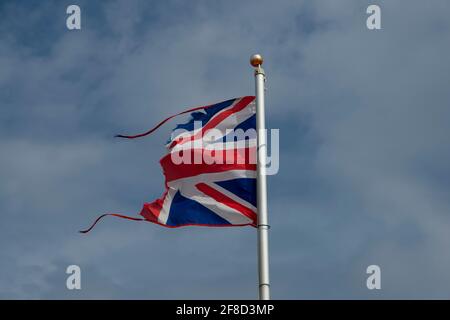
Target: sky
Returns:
[[364, 157]]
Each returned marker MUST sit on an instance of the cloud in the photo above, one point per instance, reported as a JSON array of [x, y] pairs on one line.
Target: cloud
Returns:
[[363, 128]]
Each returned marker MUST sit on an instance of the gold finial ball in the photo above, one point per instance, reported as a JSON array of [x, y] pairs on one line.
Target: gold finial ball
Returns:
[[256, 60]]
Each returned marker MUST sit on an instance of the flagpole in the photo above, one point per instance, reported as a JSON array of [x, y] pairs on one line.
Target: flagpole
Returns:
[[261, 187]]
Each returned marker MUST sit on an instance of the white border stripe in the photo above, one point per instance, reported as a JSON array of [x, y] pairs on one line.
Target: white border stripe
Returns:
[[233, 196], [165, 210]]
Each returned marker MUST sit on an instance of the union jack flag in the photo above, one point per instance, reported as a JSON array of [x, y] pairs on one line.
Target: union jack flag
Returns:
[[209, 169]]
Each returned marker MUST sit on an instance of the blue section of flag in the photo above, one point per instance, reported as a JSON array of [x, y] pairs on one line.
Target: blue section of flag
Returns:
[[186, 211], [244, 188], [250, 123], [204, 117]]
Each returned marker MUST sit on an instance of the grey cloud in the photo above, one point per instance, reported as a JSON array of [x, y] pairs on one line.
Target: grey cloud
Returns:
[[364, 164]]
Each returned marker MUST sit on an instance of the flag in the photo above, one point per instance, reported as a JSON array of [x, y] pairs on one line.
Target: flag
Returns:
[[209, 169]]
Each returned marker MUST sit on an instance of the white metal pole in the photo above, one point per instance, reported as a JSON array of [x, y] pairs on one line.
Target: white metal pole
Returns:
[[261, 186]]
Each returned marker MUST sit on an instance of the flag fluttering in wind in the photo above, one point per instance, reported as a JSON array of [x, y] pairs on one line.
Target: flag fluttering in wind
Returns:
[[215, 171], [210, 169]]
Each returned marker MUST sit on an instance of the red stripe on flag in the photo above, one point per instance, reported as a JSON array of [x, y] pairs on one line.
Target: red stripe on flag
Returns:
[[158, 125], [110, 214], [174, 171], [221, 198], [251, 98], [216, 120], [152, 210]]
